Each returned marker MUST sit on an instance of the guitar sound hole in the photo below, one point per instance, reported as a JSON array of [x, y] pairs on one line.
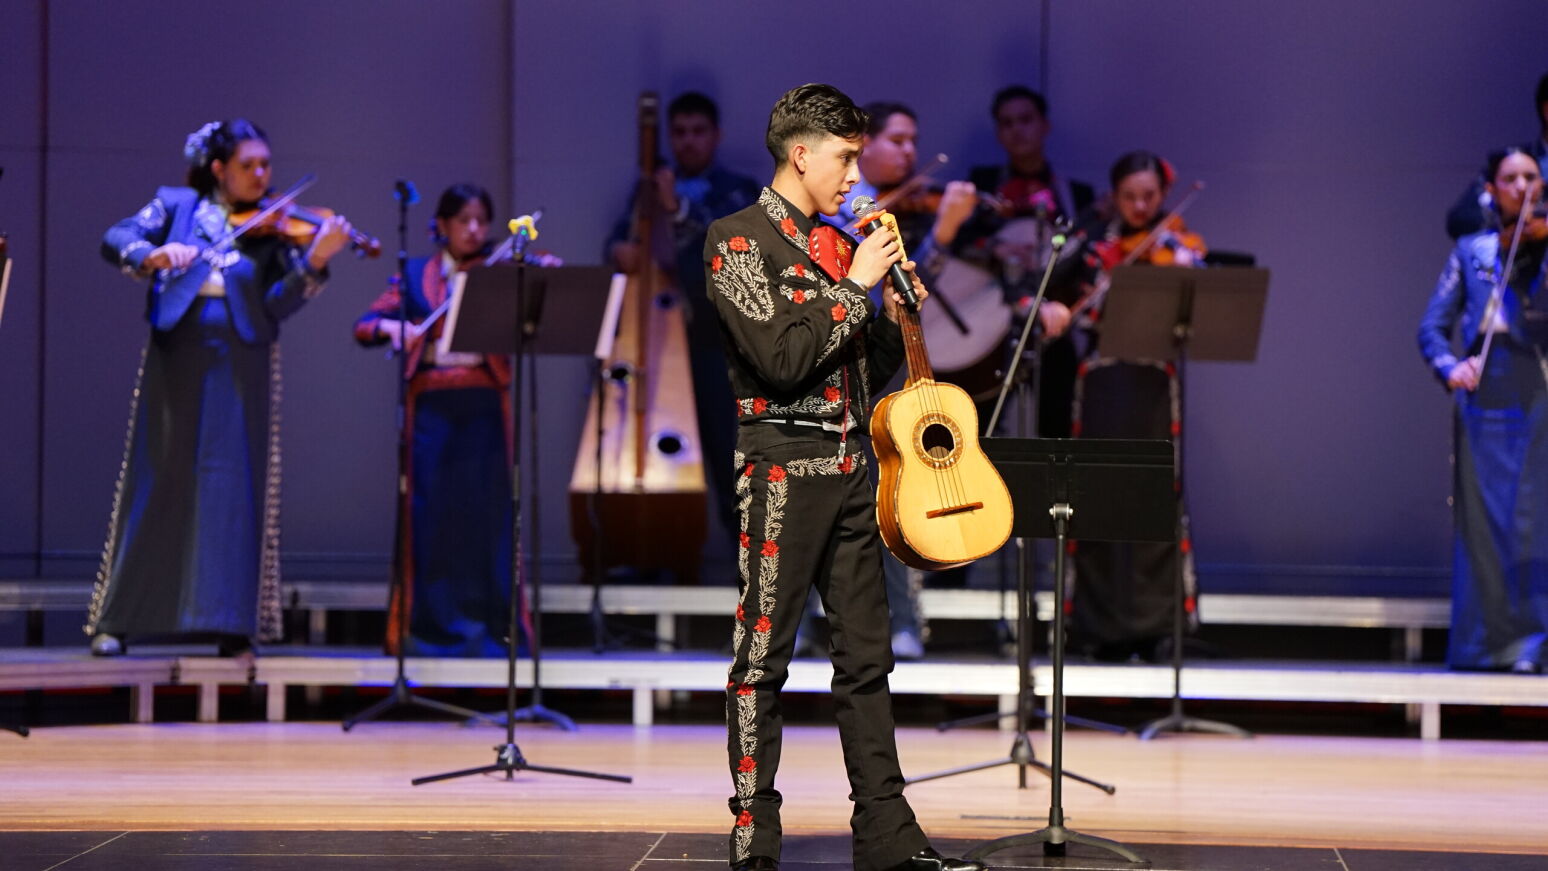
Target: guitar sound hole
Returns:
[[937, 441]]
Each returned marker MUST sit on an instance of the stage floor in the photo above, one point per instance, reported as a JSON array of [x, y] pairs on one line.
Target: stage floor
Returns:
[[633, 851], [1333, 794]]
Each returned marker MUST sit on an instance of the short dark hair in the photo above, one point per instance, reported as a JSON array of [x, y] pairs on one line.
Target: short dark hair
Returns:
[[221, 143], [1017, 92], [451, 202], [812, 111], [881, 111], [1136, 162], [1497, 157], [694, 103]]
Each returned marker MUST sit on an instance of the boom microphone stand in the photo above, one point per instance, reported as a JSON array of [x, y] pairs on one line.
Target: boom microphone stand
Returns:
[[508, 756], [402, 696]]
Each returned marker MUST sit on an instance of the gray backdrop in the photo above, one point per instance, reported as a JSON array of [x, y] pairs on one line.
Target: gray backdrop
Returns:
[[1332, 137]]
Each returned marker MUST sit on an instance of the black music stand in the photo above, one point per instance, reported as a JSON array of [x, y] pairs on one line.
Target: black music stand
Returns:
[[1176, 314], [1097, 489], [567, 330], [496, 313]]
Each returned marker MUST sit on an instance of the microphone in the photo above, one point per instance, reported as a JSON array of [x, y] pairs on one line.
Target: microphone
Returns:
[[403, 191], [864, 206], [526, 225]]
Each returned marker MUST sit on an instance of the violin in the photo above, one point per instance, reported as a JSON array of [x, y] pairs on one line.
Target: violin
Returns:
[[299, 225], [1171, 236]]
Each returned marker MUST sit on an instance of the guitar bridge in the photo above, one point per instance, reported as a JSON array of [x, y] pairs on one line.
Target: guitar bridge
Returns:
[[955, 509]]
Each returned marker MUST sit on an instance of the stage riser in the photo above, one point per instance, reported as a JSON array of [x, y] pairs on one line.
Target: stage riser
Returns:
[[646, 675]]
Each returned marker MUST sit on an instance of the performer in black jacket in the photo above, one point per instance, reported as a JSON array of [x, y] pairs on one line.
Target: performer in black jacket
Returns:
[[806, 347]]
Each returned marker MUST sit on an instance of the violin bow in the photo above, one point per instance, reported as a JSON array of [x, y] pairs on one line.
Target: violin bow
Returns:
[[907, 187], [280, 202], [1497, 295]]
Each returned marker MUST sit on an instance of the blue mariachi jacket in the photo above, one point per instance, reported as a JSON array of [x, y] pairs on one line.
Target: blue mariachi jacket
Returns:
[[267, 278], [1463, 292]]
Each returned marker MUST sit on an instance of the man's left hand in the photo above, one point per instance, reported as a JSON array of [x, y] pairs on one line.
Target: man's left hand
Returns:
[[893, 304]]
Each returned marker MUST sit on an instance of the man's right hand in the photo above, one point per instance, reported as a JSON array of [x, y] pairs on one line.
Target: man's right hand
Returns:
[[878, 252], [173, 255]]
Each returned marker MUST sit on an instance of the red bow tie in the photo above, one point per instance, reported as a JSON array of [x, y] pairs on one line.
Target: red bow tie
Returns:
[[829, 250]]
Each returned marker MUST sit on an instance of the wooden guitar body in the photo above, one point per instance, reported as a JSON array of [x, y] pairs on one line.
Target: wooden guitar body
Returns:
[[940, 502]]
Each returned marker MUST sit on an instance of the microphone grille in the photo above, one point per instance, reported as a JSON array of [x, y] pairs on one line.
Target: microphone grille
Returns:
[[863, 205]]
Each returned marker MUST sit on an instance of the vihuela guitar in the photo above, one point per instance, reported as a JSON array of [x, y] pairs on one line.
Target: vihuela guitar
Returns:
[[940, 503]]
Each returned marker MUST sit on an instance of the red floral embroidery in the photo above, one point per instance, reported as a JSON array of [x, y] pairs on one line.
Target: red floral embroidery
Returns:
[[746, 543], [776, 473], [839, 311], [770, 549], [717, 263], [760, 405], [799, 296], [747, 764], [1176, 429], [831, 394], [741, 614], [747, 472], [764, 624], [787, 226], [744, 818], [730, 684], [738, 243], [744, 690], [847, 465], [800, 269]]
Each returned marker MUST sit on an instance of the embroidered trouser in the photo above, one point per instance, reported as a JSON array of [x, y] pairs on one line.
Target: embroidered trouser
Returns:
[[808, 520]]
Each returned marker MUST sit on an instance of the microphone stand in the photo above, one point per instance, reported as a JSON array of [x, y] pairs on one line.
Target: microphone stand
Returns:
[[1022, 755], [401, 695]]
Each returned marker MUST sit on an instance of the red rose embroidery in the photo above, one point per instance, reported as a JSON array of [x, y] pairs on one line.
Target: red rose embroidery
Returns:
[[831, 394], [744, 818], [839, 311], [747, 472], [764, 624], [738, 243], [717, 263], [800, 269], [787, 226], [847, 465], [744, 690], [746, 543], [741, 613], [776, 473], [760, 405], [770, 549], [747, 764], [799, 296]]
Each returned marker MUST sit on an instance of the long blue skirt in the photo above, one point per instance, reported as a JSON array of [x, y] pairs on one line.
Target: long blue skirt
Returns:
[[1499, 600], [188, 552], [461, 497]]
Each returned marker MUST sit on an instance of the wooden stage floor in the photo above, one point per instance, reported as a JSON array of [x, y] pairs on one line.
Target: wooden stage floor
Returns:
[[1268, 791]]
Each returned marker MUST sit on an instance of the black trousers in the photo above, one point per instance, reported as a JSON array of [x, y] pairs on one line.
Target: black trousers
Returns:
[[808, 520]]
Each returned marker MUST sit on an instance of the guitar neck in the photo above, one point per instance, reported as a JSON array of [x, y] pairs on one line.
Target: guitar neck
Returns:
[[914, 346]]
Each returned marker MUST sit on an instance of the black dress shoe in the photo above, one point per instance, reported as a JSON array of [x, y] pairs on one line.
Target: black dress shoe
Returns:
[[930, 860], [756, 863]]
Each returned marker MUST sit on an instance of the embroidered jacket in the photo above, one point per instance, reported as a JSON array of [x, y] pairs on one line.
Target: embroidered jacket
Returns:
[[801, 343], [427, 289], [1462, 294], [267, 279]]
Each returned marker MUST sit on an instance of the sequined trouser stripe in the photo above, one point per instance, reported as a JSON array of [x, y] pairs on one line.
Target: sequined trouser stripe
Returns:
[[807, 520]]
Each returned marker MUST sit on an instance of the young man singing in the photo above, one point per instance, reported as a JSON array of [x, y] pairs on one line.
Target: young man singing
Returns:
[[806, 347]]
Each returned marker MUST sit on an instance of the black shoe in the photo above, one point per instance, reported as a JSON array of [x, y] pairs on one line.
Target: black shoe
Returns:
[[930, 860], [756, 863]]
